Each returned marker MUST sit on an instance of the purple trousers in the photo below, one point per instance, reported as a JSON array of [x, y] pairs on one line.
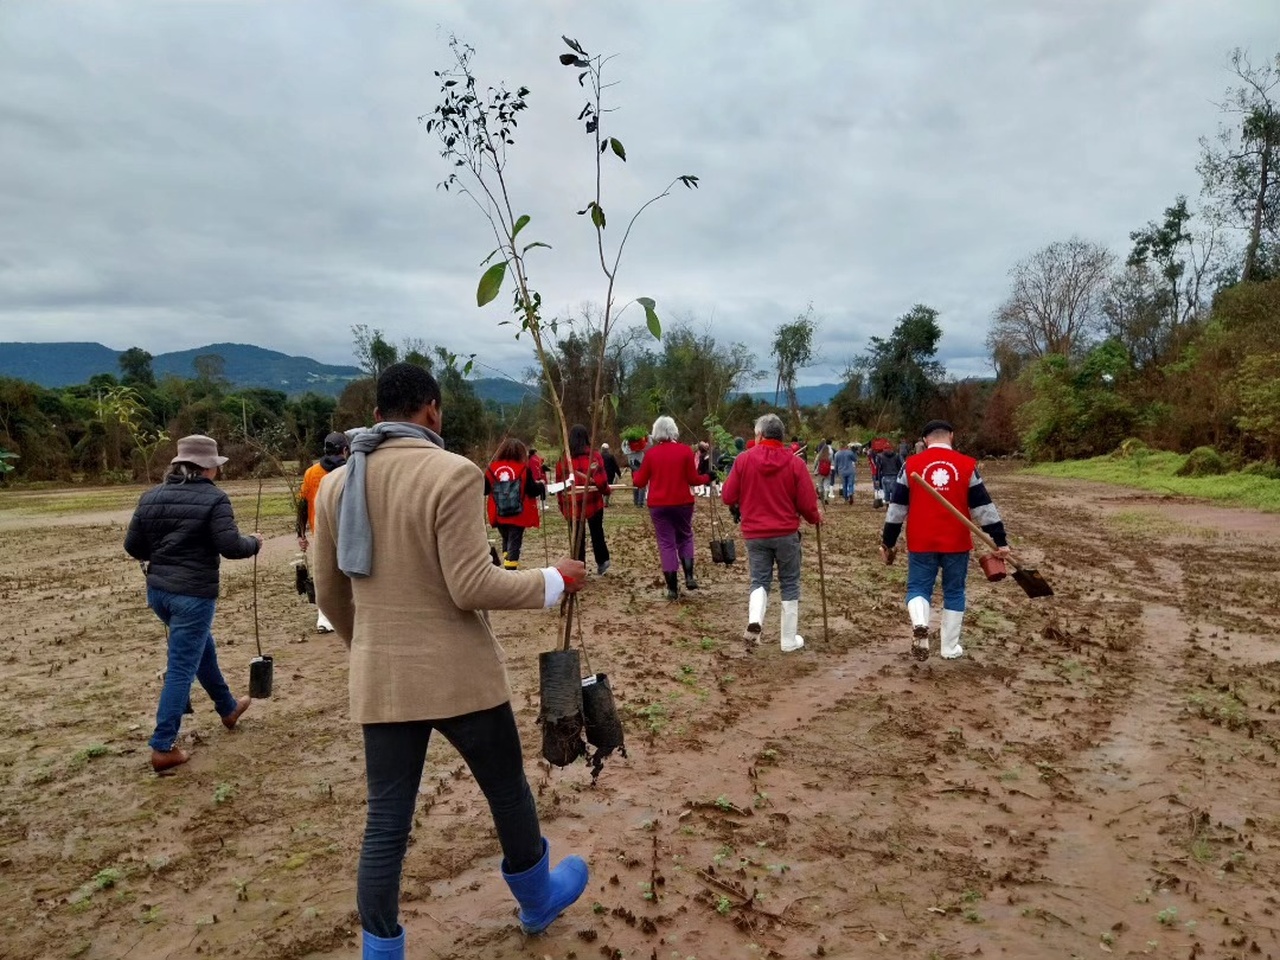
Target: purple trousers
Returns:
[[674, 527]]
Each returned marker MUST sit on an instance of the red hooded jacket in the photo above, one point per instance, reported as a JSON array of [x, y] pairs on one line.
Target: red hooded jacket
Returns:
[[511, 470], [771, 486], [588, 472]]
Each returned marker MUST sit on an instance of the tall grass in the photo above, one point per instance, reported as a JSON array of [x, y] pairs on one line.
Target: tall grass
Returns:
[[1156, 470]]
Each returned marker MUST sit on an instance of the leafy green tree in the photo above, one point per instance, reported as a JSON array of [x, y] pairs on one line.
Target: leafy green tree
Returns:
[[793, 351], [1258, 386], [1240, 167], [902, 374], [372, 350], [135, 368]]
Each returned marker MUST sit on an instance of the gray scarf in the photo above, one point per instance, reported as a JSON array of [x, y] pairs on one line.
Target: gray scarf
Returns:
[[355, 536]]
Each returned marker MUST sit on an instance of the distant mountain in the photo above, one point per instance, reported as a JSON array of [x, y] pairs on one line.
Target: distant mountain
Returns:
[[807, 396], [67, 364]]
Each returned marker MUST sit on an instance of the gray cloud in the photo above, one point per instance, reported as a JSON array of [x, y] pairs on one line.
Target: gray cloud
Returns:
[[176, 173]]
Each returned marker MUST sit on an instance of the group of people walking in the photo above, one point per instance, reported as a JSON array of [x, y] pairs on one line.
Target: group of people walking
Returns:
[[404, 575]]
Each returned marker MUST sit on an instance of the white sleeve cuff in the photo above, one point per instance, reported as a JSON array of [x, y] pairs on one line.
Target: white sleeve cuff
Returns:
[[553, 586]]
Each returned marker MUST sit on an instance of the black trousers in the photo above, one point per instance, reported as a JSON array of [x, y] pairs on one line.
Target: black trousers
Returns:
[[393, 755], [512, 540], [599, 549]]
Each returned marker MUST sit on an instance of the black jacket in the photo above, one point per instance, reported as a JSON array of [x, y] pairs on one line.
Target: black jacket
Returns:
[[179, 529]]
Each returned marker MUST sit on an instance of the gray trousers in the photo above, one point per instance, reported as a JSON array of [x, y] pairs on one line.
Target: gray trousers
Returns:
[[783, 551]]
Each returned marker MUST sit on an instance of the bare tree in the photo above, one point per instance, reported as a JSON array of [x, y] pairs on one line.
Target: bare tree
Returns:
[[1055, 306], [1240, 168]]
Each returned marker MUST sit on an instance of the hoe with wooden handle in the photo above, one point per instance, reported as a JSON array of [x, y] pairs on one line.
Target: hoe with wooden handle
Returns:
[[1030, 580]]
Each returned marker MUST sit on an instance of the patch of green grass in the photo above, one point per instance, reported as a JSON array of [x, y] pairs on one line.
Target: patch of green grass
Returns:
[[109, 877], [1168, 916], [223, 792], [91, 752], [1156, 471]]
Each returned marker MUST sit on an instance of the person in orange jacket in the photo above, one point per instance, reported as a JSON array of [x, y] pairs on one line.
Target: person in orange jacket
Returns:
[[336, 448]]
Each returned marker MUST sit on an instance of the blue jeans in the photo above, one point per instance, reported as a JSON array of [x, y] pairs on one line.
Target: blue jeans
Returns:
[[922, 574], [394, 754], [846, 486], [192, 656]]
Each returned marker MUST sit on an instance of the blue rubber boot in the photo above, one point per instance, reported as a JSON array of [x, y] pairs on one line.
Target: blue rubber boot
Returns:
[[383, 948], [544, 893]]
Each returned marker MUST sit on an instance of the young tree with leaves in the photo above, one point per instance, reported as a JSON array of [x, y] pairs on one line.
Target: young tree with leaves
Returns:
[[793, 351]]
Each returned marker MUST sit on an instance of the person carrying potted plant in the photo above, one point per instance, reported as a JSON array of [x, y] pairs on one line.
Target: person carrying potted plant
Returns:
[[586, 497]]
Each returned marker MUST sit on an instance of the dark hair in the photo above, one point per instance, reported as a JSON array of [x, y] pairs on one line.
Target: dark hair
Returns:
[[513, 450], [533, 451], [186, 470], [579, 441], [404, 389]]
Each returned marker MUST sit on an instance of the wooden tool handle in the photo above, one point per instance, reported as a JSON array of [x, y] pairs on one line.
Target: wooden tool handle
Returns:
[[976, 530]]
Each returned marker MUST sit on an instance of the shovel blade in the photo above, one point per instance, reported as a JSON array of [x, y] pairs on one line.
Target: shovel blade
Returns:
[[1032, 583]]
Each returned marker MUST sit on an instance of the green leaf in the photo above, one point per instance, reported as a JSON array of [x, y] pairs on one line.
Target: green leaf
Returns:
[[521, 223], [650, 317], [490, 283], [613, 399], [536, 243], [597, 215], [616, 145]]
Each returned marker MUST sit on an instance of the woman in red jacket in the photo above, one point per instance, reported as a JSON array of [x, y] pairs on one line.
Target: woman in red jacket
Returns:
[[669, 471], [590, 485], [512, 488]]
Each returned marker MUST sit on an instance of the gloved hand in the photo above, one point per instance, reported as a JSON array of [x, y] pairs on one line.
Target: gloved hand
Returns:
[[736, 512]]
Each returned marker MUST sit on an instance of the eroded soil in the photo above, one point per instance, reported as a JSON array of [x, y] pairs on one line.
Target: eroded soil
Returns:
[[1097, 776]]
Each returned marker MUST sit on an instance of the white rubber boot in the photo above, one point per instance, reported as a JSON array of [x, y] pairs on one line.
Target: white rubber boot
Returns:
[[791, 640], [918, 610], [756, 607], [322, 623], [951, 621]]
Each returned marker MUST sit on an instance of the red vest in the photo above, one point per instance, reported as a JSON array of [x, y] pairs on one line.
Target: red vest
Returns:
[[930, 526], [589, 472], [510, 470]]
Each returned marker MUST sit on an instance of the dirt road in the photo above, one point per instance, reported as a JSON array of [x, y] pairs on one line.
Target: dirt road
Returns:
[[1097, 776]]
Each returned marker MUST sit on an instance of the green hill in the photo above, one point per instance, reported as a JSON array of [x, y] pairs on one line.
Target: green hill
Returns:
[[67, 364]]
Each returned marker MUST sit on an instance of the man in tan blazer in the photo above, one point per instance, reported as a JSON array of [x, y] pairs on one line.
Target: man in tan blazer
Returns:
[[403, 572]]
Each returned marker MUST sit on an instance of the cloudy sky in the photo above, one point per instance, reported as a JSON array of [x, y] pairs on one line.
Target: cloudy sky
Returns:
[[173, 174]]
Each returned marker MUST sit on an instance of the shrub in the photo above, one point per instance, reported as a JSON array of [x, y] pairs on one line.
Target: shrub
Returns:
[[1203, 462], [1262, 468]]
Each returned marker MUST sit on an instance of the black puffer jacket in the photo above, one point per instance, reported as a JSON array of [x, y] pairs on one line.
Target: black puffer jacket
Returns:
[[180, 528]]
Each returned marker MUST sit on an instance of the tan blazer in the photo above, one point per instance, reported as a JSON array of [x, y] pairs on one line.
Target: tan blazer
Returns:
[[421, 645]]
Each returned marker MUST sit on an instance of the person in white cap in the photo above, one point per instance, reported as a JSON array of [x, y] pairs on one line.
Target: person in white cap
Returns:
[[179, 531]]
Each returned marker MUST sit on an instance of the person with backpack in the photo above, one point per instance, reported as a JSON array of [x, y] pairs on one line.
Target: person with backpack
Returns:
[[669, 473], [844, 464], [585, 498], [512, 490], [823, 472]]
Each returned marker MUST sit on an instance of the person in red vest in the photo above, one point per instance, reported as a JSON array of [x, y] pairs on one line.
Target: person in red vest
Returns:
[[591, 486], [936, 540], [512, 489], [668, 472], [771, 487]]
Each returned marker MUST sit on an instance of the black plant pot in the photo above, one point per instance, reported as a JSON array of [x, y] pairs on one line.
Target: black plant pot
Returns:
[[717, 551], [261, 675], [730, 551], [600, 713], [560, 692]]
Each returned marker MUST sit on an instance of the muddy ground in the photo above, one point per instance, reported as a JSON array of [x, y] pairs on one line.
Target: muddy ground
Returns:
[[1098, 776]]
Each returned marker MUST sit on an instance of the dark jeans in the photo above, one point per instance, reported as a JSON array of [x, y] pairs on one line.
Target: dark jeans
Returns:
[[192, 656], [512, 539], [393, 758], [599, 549], [762, 554]]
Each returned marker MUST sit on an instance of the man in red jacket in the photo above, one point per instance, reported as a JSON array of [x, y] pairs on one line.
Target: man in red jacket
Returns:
[[936, 540], [771, 487]]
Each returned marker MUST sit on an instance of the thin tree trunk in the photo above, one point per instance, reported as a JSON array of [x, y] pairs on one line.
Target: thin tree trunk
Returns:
[[1255, 229]]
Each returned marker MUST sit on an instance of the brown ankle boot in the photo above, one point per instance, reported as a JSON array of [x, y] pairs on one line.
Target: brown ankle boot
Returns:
[[229, 721]]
